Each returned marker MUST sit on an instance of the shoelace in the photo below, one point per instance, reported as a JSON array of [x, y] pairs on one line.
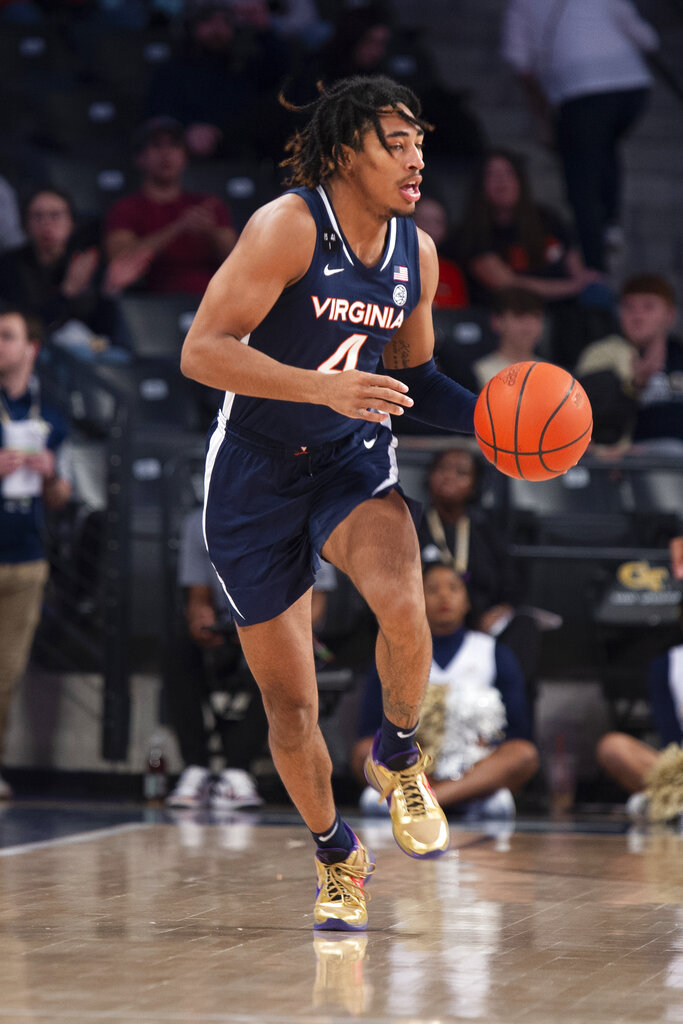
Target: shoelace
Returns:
[[342, 881], [408, 780]]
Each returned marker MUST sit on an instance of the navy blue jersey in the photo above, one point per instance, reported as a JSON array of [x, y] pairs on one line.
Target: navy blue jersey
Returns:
[[339, 316]]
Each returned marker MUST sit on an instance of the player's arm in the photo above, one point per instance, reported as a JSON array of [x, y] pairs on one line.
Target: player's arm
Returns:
[[409, 357], [273, 252]]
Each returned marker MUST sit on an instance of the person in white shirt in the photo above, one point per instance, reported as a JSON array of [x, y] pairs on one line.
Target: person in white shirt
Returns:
[[581, 63]]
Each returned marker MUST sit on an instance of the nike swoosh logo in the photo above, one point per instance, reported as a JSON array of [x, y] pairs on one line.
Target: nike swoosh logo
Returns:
[[406, 735], [369, 444], [328, 273], [323, 839]]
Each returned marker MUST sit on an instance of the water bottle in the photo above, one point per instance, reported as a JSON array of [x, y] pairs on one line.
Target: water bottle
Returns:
[[155, 783]]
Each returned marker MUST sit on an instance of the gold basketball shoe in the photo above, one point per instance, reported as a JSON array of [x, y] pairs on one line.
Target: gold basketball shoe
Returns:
[[419, 825], [341, 897]]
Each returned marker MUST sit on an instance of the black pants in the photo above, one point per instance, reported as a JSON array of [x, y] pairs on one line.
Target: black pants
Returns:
[[589, 130], [188, 683]]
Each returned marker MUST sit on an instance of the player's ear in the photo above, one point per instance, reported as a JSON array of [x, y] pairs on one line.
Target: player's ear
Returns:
[[346, 157]]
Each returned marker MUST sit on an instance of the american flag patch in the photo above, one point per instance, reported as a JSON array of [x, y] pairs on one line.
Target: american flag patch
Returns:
[[400, 273]]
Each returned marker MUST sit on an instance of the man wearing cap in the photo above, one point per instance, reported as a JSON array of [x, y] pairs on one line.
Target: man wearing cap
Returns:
[[176, 239]]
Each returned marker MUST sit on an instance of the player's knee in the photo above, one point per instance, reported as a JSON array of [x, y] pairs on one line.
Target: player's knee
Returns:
[[291, 720], [401, 615]]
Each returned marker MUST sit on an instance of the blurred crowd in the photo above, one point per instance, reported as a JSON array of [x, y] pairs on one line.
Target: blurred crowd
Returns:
[[141, 136]]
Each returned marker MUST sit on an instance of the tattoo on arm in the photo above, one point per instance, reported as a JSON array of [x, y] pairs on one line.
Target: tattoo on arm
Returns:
[[397, 356]]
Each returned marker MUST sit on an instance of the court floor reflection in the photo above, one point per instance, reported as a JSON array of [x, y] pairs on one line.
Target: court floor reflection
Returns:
[[191, 919]]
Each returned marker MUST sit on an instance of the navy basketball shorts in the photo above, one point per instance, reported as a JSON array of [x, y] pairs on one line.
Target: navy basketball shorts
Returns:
[[269, 509]]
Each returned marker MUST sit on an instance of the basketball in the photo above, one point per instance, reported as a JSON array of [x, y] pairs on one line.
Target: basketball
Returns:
[[533, 421]]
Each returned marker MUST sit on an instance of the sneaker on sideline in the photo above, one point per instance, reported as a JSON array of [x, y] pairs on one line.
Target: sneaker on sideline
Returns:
[[637, 806], [340, 897], [372, 804], [191, 790], [498, 806], [419, 825], [234, 788]]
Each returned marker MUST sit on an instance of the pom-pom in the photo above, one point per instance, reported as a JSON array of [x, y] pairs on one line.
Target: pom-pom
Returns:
[[457, 726], [664, 785]]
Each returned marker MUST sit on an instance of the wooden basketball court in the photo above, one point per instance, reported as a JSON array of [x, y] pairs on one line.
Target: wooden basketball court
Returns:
[[133, 917]]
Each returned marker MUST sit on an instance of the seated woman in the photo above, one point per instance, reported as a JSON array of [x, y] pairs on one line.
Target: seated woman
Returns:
[[474, 721], [58, 274], [507, 240]]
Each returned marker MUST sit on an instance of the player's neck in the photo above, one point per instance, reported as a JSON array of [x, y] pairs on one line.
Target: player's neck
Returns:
[[364, 230]]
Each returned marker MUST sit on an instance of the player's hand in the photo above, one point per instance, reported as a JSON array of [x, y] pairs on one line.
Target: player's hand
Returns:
[[364, 396], [11, 460]]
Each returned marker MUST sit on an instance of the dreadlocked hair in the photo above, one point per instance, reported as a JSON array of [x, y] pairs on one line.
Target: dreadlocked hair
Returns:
[[338, 117]]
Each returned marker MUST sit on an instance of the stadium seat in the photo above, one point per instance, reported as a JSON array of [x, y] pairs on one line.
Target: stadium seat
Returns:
[[461, 337], [34, 57], [659, 490], [123, 60], [157, 324], [87, 123], [580, 507], [243, 184], [93, 184]]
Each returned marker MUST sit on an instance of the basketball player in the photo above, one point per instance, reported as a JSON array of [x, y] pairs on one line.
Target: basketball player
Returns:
[[331, 276]]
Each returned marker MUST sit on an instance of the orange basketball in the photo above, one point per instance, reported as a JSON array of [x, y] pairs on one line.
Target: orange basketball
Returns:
[[533, 421]]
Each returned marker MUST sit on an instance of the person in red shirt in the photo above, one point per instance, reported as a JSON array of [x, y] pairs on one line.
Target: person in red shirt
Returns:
[[175, 240], [451, 291]]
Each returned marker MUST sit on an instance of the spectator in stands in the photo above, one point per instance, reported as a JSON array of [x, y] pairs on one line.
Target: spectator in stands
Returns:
[[635, 379], [30, 480], [301, 20], [58, 274], [207, 646], [230, 58], [456, 531], [474, 719], [367, 41], [507, 240], [208, 638], [517, 320], [178, 239], [451, 291], [581, 64], [11, 234], [627, 759]]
